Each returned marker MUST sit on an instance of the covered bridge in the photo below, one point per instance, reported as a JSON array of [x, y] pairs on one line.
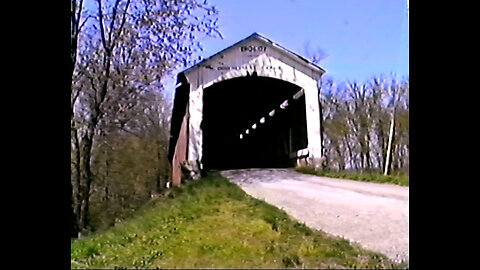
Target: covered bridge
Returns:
[[252, 105]]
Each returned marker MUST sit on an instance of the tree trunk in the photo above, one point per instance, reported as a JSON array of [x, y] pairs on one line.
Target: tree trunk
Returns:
[[367, 152], [159, 168], [353, 164], [86, 178], [75, 189], [73, 217], [341, 159]]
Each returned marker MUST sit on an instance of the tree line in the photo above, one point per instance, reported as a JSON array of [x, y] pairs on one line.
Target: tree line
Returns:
[[365, 126], [120, 52]]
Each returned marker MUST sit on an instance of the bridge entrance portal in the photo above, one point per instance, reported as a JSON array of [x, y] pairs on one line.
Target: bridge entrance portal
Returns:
[[253, 122], [253, 104]]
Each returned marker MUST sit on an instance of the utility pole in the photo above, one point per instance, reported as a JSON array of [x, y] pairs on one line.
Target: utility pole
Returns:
[[388, 161]]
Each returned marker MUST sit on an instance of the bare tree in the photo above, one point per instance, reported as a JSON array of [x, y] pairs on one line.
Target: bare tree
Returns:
[[357, 120], [122, 56], [75, 26]]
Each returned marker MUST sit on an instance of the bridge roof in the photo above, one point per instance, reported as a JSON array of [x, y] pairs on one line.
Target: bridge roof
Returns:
[[301, 61]]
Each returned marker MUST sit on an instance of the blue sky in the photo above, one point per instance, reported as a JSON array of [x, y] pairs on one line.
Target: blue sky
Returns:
[[361, 38]]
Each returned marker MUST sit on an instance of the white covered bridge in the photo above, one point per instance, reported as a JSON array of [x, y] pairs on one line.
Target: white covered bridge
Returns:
[[253, 104]]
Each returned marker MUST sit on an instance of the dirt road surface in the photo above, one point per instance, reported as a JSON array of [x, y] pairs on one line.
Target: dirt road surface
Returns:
[[371, 214]]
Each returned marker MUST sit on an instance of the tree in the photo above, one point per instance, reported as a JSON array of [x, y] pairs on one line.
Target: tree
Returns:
[[75, 26], [357, 120], [123, 53]]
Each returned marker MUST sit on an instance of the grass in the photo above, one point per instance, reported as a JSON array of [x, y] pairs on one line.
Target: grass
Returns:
[[398, 179], [212, 223]]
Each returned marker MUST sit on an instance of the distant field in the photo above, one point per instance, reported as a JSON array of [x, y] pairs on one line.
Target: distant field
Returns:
[[401, 179], [212, 223]]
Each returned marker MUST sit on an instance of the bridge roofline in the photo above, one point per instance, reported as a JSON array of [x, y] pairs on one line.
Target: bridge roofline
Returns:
[[294, 56]]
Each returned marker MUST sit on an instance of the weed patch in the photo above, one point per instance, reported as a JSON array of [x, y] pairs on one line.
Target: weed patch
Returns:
[[401, 180], [291, 261]]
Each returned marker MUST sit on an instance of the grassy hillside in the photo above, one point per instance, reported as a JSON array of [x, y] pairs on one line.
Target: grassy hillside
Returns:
[[214, 224]]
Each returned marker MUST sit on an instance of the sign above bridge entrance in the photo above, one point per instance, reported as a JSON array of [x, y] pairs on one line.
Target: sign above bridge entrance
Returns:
[[254, 54]]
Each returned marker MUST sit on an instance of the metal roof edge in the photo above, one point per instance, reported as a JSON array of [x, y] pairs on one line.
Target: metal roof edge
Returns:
[[212, 56], [303, 59]]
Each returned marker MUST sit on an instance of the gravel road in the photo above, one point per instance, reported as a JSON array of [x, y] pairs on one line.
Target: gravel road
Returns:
[[371, 214]]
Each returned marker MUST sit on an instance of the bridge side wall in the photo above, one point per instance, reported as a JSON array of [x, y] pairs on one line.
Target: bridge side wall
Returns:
[[180, 155]]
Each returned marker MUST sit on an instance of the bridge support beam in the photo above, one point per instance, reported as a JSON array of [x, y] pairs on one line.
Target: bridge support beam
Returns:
[[313, 125]]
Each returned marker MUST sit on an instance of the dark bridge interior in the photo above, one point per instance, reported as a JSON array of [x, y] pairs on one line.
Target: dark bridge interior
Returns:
[[233, 106]]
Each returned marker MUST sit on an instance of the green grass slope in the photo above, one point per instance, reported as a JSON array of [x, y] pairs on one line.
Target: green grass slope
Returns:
[[212, 223]]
